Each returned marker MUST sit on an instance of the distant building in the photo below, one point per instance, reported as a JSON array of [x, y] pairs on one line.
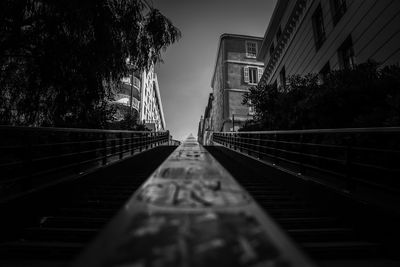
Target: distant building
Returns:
[[305, 36], [200, 130], [142, 90], [236, 69], [205, 124], [151, 109], [128, 92]]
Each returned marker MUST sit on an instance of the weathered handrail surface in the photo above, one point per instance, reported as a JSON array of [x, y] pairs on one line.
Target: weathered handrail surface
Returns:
[[191, 212], [360, 161], [34, 157]]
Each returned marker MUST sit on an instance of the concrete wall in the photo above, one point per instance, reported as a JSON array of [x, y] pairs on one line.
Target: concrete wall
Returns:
[[372, 24]]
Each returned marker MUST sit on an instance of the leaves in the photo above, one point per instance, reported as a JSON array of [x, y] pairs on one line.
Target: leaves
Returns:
[[62, 60], [367, 96]]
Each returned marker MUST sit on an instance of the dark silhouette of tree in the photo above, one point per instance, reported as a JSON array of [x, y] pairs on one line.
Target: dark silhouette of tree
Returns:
[[366, 96], [62, 60]]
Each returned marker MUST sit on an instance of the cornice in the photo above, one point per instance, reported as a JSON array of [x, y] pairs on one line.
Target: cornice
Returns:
[[287, 34], [255, 63]]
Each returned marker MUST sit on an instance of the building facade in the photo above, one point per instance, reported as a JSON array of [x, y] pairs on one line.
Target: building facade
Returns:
[[236, 69], [316, 36], [151, 109], [129, 92], [205, 124], [140, 92]]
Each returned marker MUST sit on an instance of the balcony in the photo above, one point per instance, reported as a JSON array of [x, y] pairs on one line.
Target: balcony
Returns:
[[123, 99], [129, 85], [131, 80]]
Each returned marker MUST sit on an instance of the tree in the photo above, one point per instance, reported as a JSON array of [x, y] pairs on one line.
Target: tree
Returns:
[[62, 60], [366, 96]]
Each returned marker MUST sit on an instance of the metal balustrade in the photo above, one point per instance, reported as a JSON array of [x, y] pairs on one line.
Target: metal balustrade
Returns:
[[32, 157], [354, 160]]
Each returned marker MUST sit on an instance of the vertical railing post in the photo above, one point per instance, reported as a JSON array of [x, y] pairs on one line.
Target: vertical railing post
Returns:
[[235, 140], [79, 152], [132, 144], [104, 149], [301, 155], [350, 183], [27, 182], [121, 147], [275, 148], [240, 145], [140, 142]]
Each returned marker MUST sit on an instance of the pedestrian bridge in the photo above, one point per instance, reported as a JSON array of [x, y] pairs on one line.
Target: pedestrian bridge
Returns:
[[120, 198]]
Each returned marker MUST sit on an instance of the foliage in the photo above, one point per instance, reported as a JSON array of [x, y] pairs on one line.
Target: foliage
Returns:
[[251, 125], [366, 96], [62, 60], [128, 121]]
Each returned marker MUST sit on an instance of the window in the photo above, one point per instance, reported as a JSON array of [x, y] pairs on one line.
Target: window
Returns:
[[346, 54], [252, 74], [271, 49], [278, 33], [318, 26], [338, 8], [282, 77], [326, 69], [251, 49]]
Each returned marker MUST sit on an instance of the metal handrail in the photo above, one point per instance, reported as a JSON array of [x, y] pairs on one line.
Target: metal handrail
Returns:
[[314, 131], [83, 130], [34, 157], [354, 158]]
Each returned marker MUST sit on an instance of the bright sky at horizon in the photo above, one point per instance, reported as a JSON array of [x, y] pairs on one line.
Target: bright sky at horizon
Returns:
[[185, 76]]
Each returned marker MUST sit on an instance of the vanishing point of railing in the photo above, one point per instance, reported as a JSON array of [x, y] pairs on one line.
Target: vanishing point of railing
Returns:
[[32, 157], [353, 160]]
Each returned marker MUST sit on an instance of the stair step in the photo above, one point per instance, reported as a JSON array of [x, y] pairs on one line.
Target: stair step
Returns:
[[72, 222], [291, 212], [59, 234], [272, 197], [281, 204], [340, 250], [98, 203], [322, 234], [306, 222], [78, 212], [39, 250]]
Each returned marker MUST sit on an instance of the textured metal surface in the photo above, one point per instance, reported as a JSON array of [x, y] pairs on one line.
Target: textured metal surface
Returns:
[[191, 212]]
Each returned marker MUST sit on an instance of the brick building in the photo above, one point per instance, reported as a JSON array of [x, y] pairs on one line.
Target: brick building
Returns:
[[236, 69], [205, 124]]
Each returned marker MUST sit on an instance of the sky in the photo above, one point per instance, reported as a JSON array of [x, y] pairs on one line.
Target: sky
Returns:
[[185, 76]]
